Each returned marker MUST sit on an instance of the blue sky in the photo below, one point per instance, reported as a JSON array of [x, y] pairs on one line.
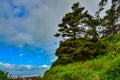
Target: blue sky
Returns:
[[26, 33]]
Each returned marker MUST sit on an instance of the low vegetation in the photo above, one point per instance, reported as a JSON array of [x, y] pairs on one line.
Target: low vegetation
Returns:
[[102, 67], [28, 78], [4, 76]]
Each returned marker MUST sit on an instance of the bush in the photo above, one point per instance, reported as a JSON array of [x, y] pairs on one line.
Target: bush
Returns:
[[102, 68], [4, 75], [78, 50]]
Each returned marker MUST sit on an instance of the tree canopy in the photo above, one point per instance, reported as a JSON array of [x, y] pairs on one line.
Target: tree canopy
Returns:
[[70, 25], [84, 31], [110, 23], [80, 24]]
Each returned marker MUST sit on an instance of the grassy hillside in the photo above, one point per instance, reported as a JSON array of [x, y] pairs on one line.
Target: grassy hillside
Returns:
[[102, 67]]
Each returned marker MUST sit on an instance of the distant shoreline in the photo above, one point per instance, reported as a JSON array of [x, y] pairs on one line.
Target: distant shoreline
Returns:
[[15, 76], [28, 77]]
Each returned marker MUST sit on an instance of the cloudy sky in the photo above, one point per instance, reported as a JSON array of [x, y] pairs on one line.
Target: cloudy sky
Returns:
[[27, 27]]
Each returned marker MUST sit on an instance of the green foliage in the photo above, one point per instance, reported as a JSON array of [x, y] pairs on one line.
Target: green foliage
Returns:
[[63, 60], [38, 78], [110, 22], [111, 38], [4, 76], [92, 48], [83, 33], [102, 67], [74, 24], [78, 50], [80, 23]]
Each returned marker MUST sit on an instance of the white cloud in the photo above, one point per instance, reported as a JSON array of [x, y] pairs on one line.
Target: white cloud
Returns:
[[21, 39], [93, 6], [21, 55], [42, 21], [23, 70], [39, 26], [45, 66], [6, 65], [26, 66]]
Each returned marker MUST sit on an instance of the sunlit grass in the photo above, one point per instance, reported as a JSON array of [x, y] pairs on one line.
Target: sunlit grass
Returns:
[[103, 67]]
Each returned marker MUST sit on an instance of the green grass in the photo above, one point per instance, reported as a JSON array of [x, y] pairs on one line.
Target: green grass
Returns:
[[103, 67]]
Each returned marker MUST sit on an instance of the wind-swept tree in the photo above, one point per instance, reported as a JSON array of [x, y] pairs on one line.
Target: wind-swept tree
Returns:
[[110, 21], [91, 24], [70, 25], [75, 25]]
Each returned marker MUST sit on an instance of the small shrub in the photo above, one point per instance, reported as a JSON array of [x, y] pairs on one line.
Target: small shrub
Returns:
[[4, 75]]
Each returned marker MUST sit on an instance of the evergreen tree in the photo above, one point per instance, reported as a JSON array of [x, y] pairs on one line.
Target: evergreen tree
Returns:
[[110, 21], [92, 24], [70, 26]]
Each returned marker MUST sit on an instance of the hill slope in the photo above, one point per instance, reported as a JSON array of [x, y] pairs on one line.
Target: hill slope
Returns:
[[102, 67]]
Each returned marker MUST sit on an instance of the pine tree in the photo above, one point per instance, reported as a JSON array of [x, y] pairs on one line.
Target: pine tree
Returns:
[[110, 21], [70, 26]]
